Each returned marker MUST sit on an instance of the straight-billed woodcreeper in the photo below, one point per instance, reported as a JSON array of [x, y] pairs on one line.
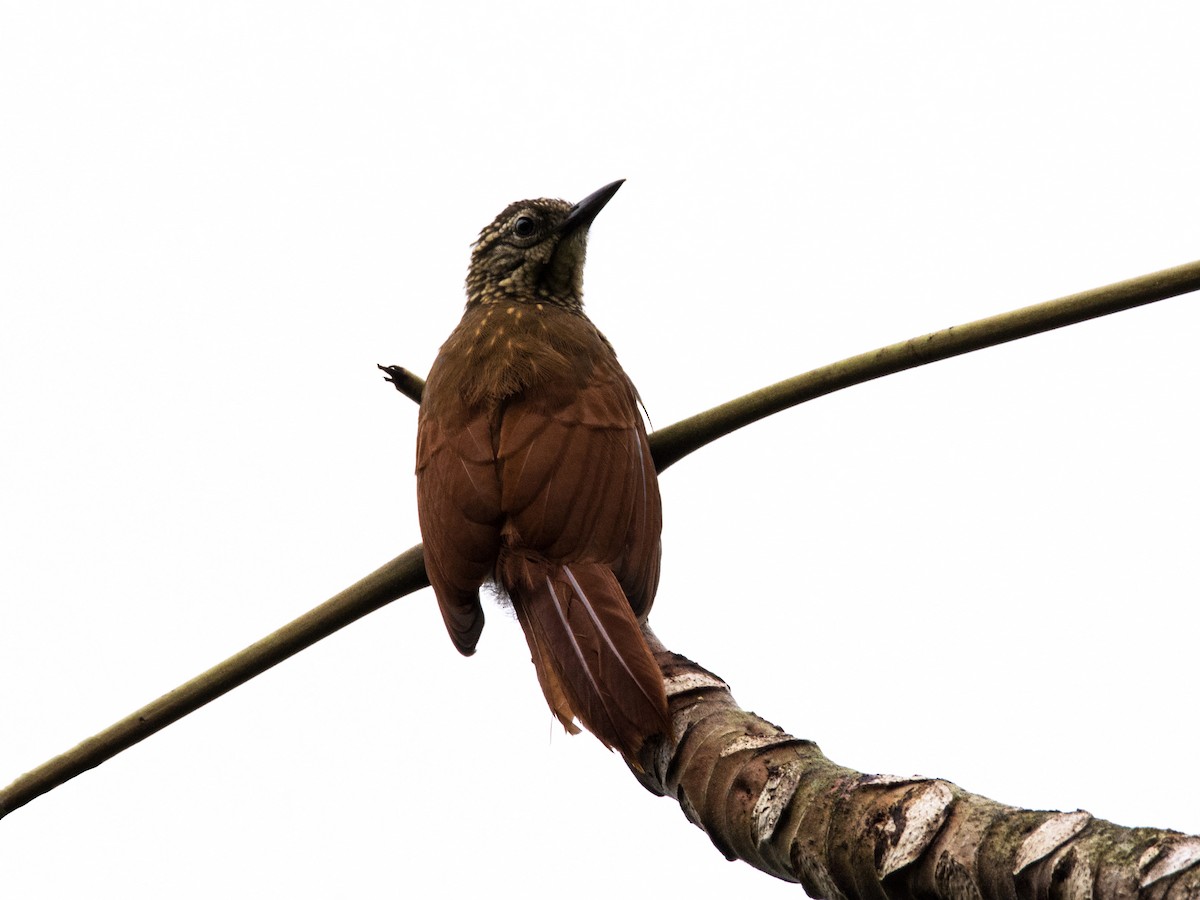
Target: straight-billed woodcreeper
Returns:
[[534, 474]]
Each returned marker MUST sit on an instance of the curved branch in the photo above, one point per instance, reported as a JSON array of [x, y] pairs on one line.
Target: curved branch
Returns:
[[674, 442], [403, 575], [406, 573], [778, 803]]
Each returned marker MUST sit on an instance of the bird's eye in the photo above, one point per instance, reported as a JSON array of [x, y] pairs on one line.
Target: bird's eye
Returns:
[[524, 227]]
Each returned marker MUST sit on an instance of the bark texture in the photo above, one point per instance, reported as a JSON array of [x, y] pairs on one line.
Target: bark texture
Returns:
[[776, 802]]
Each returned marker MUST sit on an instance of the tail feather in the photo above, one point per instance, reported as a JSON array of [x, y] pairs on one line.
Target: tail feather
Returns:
[[591, 659], [552, 687], [652, 693]]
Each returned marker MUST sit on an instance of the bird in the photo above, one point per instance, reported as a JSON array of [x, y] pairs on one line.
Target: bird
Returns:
[[534, 477]]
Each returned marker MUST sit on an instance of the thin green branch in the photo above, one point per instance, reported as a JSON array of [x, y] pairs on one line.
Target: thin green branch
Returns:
[[406, 573], [403, 575], [671, 444]]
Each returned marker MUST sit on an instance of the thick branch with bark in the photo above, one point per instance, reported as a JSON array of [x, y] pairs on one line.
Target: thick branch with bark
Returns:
[[778, 803], [760, 794]]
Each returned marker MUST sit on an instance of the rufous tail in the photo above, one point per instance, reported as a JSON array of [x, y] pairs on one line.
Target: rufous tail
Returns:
[[591, 659]]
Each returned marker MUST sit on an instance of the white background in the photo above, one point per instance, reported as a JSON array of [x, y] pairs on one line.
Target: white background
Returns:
[[216, 218]]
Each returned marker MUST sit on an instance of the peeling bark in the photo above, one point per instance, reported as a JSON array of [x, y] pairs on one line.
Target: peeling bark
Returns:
[[776, 802]]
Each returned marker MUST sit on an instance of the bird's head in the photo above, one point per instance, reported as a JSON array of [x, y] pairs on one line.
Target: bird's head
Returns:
[[533, 252]]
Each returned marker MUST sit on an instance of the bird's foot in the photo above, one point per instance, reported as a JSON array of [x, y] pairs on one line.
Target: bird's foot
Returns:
[[404, 381]]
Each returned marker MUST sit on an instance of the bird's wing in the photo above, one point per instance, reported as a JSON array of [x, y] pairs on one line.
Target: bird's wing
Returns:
[[458, 502], [578, 483]]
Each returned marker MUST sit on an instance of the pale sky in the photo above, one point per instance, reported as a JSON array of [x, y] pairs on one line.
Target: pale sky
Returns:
[[215, 219]]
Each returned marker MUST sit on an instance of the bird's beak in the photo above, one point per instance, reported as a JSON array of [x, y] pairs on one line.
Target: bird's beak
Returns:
[[583, 212]]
